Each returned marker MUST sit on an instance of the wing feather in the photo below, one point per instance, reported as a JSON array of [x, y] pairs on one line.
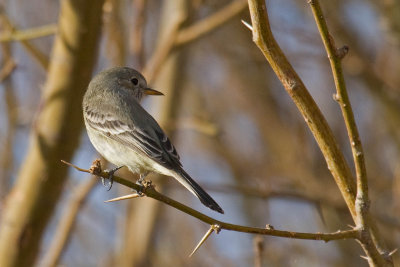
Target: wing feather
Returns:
[[158, 146]]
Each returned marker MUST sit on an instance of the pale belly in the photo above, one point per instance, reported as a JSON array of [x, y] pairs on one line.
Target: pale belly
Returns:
[[121, 155]]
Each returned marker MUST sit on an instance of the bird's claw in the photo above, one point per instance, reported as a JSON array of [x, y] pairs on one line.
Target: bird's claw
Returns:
[[110, 178], [143, 184], [141, 179]]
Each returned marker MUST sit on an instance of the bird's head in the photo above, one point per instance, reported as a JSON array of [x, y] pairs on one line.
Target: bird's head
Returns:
[[131, 80]]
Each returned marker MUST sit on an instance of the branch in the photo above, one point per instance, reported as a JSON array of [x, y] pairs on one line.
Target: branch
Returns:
[[38, 185], [137, 46], [11, 110], [362, 202], [339, 168], [149, 191], [163, 50], [296, 89], [335, 58], [67, 222], [258, 245], [177, 36], [28, 34], [36, 54], [7, 69], [210, 23]]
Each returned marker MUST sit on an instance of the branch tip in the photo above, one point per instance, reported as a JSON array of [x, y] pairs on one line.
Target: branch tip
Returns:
[[75, 167]]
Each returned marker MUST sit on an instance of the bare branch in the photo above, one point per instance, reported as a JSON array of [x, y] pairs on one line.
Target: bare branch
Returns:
[[7, 69], [32, 50], [264, 39], [149, 191], [362, 201], [28, 34], [210, 23], [56, 131], [258, 250], [136, 47], [296, 89], [163, 50], [67, 222]]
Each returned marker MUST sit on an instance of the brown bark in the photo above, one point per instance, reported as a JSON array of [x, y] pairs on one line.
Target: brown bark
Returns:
[[55, 134]]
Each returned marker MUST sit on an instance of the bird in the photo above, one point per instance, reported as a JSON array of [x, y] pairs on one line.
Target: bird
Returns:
[[125, 134]]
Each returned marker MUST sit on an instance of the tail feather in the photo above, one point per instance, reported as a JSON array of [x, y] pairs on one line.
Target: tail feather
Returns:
[[196, 189]]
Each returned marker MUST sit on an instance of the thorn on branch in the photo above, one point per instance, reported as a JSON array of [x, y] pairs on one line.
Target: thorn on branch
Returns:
[[336, 97], [392, 252], [134, 195], [213, 228], [342, 52], [248, 25], [269, 227], [353, 227], [364, 257]]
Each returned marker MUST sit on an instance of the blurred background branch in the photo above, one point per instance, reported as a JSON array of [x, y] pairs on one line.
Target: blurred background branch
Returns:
[[31, 49], [63, 232], [23, 35], [55, 134]]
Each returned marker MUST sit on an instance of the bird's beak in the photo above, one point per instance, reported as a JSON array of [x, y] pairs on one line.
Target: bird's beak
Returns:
[[149, 91]]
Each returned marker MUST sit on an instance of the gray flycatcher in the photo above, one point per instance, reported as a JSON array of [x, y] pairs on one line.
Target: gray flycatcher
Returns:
[[126, 135]]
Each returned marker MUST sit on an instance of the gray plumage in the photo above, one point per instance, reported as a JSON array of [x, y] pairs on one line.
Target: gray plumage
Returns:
[[126, 135]]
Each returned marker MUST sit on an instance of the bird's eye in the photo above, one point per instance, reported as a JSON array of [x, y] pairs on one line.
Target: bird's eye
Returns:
[[135, 81]]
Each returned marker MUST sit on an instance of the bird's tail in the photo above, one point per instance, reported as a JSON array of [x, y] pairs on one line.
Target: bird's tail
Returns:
[[196, 190]]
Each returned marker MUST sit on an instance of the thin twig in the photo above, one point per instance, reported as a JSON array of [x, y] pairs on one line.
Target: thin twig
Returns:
[[210, 23], [137, 47], [28, 34], [36, 54], [163, 50], [67, 222], [150, 191], [258, 250], [362, 200], [11, 104], [178, 36], [115, 29], [7, 69]]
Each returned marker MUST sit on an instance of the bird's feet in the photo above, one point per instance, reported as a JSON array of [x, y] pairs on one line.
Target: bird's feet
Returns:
[[142, 183], [141, 179], [110, 178]]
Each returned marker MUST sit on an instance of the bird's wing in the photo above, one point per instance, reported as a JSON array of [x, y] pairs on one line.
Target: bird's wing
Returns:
[[156, 146]]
